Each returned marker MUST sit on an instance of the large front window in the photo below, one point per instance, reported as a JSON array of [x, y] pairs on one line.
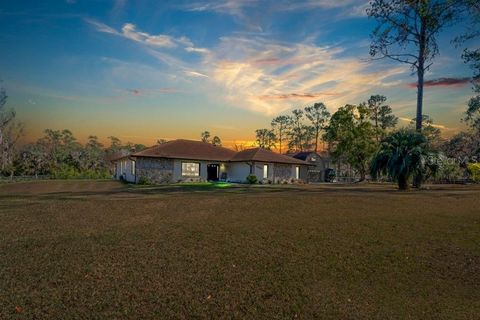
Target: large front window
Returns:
[[190, 169], [297, 172], [265, 171]]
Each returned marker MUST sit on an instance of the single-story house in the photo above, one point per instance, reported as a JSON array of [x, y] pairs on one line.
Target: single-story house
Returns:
[[196, 161], [318, 165]]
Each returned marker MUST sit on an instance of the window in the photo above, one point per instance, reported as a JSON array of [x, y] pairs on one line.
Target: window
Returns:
[[190, 169], [133, 167], [265, 171], [297, 172]]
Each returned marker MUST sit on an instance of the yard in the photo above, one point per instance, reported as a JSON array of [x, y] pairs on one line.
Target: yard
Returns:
[[100, 249]]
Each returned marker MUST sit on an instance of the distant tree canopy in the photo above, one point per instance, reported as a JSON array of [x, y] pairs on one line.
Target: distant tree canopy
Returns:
[[205, 137], [59, 154], [318, 116], [280, 126], [265, 138]]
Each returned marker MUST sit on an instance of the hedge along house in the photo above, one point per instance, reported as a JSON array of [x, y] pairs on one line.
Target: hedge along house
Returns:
[[196, 161]]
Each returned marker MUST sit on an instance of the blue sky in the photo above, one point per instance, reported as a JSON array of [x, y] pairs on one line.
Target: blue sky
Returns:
[[143, 70]]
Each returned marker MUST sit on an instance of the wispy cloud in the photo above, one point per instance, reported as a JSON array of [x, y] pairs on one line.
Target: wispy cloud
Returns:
[[265, 75], [146, 92], [129, 31], [444, 82], [270, 77]]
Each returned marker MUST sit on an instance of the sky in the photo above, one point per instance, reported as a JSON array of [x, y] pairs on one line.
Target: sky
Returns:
[[147, 70]]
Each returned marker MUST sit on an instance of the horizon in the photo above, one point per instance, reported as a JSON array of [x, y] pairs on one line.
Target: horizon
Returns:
[[143, 71]]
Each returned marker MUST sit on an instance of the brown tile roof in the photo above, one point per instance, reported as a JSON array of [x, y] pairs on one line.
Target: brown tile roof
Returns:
[[187, 149], [262, 155]]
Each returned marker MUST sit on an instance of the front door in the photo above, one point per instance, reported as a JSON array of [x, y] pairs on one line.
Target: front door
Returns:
[[212, 172]]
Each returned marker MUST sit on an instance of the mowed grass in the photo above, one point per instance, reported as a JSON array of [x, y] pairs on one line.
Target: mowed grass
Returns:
[[86, 249]]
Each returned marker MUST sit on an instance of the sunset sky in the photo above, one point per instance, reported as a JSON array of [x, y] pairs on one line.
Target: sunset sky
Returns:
[[144, 70]]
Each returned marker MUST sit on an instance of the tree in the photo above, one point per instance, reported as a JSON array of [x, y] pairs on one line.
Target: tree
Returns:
[[403, 154], [6, 115], [318, 116], [351, 137], [407, 32], [265, 138], [8, 133], [216, 141], [430, 130], [205, 135], [93, 155], [280, 126], [381, 115], [9, 152], [34, 160], [472, 115], [300, 135], [463, 147]]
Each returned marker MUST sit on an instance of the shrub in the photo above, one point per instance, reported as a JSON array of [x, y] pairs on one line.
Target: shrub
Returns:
[[65, 171], [252, 179], [143, 180], [474, 170]]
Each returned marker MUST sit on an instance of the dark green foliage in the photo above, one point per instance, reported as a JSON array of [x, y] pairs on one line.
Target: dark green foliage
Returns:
[[252, 179], [403, 154], [61, 156], [351, 137]]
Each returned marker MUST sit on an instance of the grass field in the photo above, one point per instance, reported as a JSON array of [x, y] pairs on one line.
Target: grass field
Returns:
[[86, 249]]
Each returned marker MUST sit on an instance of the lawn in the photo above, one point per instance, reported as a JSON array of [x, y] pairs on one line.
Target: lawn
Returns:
[[101, 249]]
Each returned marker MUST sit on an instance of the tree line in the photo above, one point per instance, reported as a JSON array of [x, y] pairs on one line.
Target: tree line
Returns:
[[57, 154]]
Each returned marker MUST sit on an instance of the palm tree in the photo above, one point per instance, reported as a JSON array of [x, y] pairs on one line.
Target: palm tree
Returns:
[[401, 155]]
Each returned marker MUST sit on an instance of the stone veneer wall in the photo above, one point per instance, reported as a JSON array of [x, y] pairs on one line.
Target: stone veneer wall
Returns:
[[282, 172], [154, 170]]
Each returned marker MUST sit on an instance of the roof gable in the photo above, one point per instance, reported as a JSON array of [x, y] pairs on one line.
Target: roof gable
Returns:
[[198, 150], [187, 149], [263, 155]]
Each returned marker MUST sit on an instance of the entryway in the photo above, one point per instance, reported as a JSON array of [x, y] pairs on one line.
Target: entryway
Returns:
[[213, 171]]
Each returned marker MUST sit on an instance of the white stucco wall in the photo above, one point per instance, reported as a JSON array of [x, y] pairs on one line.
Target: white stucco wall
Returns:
[[124, 168], [237, 171]]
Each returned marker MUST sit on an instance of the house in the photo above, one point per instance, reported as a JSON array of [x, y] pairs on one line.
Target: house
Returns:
[[318, 166], [196, 161]]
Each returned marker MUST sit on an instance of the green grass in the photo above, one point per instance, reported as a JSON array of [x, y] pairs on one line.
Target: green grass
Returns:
[[86, 249]]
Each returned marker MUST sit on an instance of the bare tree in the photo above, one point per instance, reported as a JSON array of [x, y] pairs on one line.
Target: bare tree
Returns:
[[407, 32], [6, 115]]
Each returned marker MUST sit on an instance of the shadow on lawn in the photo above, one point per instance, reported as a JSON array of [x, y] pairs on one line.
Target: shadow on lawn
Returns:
[[127, 191]]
